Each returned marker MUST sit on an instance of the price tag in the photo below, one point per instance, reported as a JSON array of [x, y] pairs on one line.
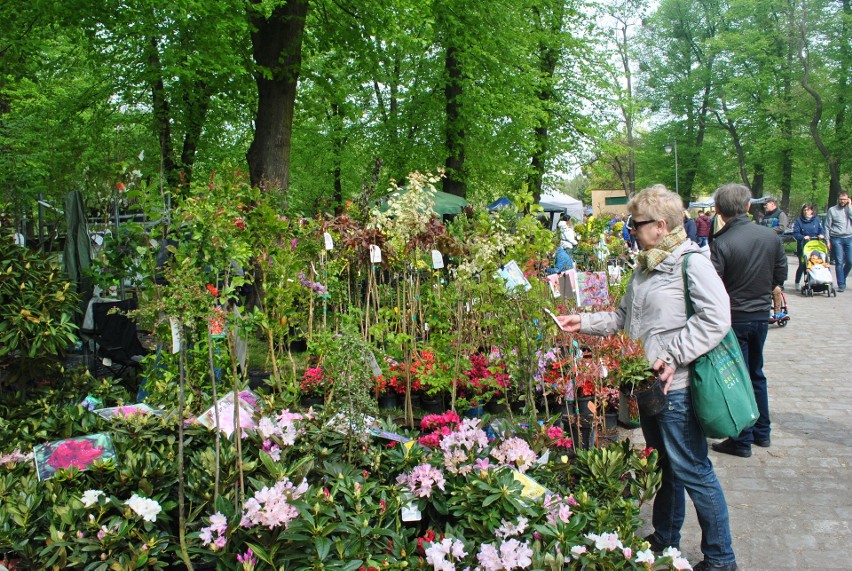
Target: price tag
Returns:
[[375, 254], [437, 260], [329, 242]]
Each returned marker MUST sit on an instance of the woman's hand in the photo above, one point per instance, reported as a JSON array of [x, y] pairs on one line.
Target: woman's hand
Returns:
[[569, 323], [665, 373]]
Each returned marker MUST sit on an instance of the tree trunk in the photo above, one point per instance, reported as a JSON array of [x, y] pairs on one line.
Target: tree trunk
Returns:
[[162, 116], [830, 159], [277, 50], [197, 100], [842, 132], [455, 135], [548, 58]]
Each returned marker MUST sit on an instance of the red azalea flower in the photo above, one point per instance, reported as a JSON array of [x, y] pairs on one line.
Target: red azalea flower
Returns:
[[214, 291], [427, 537], [646, 452], [77, 453], [120, 186], [240, 222]]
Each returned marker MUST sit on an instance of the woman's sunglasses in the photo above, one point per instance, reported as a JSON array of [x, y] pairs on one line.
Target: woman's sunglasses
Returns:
[[633, 225]]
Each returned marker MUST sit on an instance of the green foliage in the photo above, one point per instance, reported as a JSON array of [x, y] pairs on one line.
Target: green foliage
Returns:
[[37, 306]]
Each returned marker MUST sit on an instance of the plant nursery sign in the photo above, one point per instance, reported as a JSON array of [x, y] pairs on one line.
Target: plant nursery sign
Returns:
[[591, 289], [79, 452]]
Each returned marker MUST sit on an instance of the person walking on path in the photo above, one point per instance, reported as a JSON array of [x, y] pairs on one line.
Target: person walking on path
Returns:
[[773, 217], [751, 261], [806, 227], [690, 227], [653, 310], [702, 228], [838, 226]]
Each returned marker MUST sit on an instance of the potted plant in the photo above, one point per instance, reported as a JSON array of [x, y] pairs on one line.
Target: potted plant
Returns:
[[632, 374], [314, 386]]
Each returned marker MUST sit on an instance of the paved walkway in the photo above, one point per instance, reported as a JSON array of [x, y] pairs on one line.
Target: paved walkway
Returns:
[[791, 504]]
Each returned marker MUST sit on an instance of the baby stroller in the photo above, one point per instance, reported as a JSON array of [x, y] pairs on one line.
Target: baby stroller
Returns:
[[818, 276], [779, 315]]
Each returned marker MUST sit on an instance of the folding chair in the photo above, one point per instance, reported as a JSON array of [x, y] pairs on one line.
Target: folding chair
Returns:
[[117, 346]]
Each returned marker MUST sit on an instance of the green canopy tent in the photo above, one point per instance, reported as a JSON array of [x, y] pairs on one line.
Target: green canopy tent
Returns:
[[445, 203]]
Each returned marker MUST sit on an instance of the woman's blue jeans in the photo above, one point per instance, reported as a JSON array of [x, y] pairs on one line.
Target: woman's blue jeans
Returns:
[[678, 437]]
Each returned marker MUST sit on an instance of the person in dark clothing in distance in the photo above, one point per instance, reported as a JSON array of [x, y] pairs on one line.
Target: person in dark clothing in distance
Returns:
[[751, 261], [702, 228]]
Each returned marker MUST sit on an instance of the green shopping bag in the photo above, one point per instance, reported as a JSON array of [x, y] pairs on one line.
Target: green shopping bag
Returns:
[[722, 394]]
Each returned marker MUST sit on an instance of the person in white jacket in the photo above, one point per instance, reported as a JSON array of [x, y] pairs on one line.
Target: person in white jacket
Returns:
[[567, 236], [653, 310]]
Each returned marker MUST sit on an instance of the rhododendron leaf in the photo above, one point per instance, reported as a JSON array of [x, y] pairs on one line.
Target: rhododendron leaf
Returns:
[[261, 553]]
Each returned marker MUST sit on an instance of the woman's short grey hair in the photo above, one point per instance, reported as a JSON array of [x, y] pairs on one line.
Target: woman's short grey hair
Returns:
[[732, 199], [658, 203]]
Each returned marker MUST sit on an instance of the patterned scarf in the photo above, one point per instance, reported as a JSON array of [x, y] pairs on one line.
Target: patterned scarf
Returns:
[[651, 258]]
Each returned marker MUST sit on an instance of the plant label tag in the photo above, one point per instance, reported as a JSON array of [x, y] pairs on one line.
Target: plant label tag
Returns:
[[329, 242], [175, 327], [375, 254], [98, 239], [437, 260], [153, 243], [410, 512], [374, 365]]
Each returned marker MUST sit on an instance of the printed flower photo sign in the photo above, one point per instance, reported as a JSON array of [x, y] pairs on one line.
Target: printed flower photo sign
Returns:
[[592, 289], [80, 452]]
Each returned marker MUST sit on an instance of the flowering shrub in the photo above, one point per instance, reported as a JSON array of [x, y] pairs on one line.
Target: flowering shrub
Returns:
[[315, 383], [486, 377]]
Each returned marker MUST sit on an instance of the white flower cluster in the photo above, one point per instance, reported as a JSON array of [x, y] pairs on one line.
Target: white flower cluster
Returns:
[[443, 556], [145, 508], [90, 497], [512, 554], [271, 507], [461, 446], [508, 529], [282, 427], [515, 452]]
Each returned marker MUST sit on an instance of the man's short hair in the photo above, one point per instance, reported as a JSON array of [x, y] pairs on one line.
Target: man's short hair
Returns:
[[731, 199]]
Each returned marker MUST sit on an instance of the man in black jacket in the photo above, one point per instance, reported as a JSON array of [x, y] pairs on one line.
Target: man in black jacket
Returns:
[[751, 261]]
